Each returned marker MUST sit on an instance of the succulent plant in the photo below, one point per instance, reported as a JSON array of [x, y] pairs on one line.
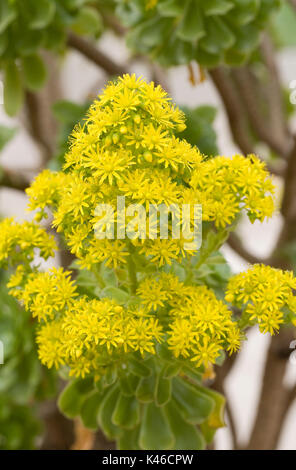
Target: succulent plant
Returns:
[[211, 32]]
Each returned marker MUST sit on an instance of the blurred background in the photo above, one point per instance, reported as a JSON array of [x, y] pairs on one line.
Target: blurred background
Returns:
[[37, 138]]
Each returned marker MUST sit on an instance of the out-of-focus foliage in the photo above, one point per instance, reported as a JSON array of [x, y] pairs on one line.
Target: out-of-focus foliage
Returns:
[[68, 114], [149, 407], [283, 26], [30, 26], [23, 380], [212, 32], [199, 130], [6, 134]]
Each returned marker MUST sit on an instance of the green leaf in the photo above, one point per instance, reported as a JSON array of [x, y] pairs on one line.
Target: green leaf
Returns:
[[199, 129], [13, 89], [88, 21], [218, 38], [67, 112], [244, 12], [187, 436], [145, 389], [73, 395], [171, 370], [216, 418], [90, 410], [192, 26], [129, 440], [163, 390], [193, 374], [42, 12], [283, 26], [138, 368], [155, 431], [107, 407], [208, 432], [7, 14], [194, 405], [114, 293], [110, 376], [6, 134], [150, 33], [34, 71], [127, 412], [217, 7], [170, 8], [128, 384]]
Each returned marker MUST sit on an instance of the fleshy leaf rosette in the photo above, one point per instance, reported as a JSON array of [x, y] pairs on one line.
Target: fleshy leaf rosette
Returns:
[[212, 32]]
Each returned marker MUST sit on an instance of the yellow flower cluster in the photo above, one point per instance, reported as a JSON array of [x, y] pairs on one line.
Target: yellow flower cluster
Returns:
[[19, 242], [127, 147], [266, 296], [89, 335], [199, 325], [226, 186]]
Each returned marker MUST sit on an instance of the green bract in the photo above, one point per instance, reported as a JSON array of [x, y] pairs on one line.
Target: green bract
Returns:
[[26, 28], [212, 32], [146, 406]]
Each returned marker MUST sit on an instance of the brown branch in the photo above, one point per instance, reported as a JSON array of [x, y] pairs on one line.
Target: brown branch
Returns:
[[274, 90], [275, 399], [87, 49], [234, 109], [236, 245], [279, 144], [236, 114], [34, 111], [289, 198], [232, 425], [12, 180], [84, 438]]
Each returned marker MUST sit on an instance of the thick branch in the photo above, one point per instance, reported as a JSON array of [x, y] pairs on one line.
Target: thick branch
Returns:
[[236, 245], [13, 180], [35, 117], [275, 399], [94, 55], [289, 199], [274, 90], [278, 143], [236, 114], [234, 109]]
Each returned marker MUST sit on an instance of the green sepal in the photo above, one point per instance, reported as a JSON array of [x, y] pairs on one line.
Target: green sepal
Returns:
[[194, 405], [129, 440], [187, 436], [13, 89], [90, 410], [128, 384], [106, 409], [145, 389], [34, 72], [73, 395], [138, 368], [163, 390], [127, 412], [155, 433], [191, 27]]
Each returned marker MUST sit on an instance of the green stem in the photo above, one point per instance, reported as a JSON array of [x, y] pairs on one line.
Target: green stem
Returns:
[[132, 272]]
